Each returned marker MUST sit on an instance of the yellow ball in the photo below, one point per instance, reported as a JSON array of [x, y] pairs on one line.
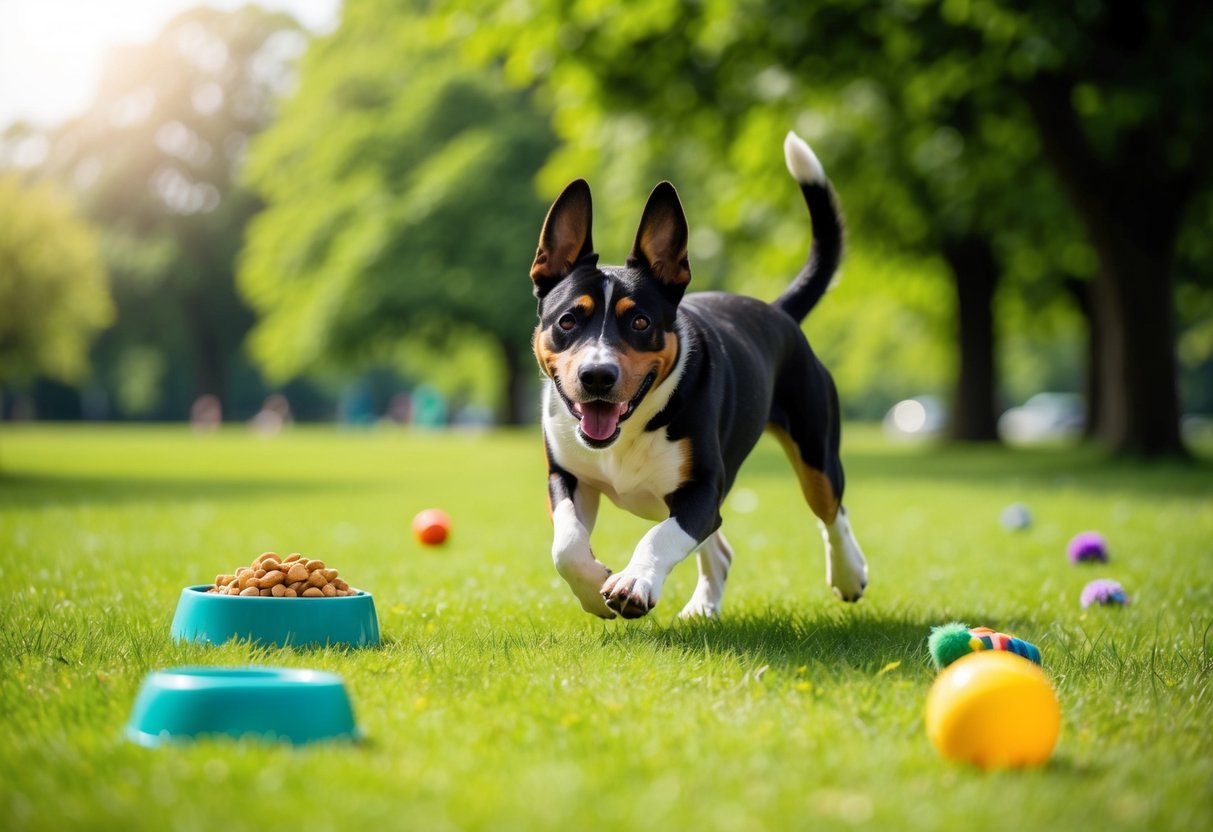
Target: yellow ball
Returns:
[[993, 709]]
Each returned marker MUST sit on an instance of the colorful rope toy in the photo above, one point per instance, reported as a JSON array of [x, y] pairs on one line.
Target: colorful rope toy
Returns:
[[951, 641]]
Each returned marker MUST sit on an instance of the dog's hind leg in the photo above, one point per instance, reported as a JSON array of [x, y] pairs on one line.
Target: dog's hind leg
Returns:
[[812, 448], [714, 558]]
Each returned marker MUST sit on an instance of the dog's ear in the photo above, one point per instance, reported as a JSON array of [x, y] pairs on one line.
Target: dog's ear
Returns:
[[565, 238], [661, 242]]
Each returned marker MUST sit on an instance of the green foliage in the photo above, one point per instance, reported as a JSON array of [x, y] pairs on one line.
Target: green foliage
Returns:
[[154, 163], [401, 203], [922, 112], [54, 294], [496, 703]]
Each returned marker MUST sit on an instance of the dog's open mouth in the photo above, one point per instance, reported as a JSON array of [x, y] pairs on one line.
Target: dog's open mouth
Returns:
[[599, 420]]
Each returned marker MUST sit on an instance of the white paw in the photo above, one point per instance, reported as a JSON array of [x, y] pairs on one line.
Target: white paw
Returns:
[[630, 595], [585, 579], [849, 581], [699, 608], [846, 567]]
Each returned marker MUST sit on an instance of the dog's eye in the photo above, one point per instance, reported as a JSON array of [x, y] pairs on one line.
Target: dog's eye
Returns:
[[640, 323], [567, 321]]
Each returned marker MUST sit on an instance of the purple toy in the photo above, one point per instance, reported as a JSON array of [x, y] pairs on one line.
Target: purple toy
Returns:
[[1104, 592], [1088, 547]]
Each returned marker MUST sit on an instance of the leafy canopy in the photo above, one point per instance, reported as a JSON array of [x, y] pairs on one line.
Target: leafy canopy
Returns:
[[54, 295]]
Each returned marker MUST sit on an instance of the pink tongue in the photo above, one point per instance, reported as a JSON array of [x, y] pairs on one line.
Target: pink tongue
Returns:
[[599, 419]]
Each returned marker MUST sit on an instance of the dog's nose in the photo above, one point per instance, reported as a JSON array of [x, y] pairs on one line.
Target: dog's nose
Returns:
[[598, 379]]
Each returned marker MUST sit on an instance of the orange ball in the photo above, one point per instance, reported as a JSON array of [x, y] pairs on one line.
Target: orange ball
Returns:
[[431, 526], [995, 710]]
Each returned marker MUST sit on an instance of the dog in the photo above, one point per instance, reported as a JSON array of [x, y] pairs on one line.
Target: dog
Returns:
[[655, 399]]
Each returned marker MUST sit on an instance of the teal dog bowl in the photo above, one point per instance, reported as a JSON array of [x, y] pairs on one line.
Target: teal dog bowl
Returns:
[[297, 622], [278, 704]]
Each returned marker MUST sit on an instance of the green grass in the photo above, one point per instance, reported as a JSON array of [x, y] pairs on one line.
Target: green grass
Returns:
[[495, 703]]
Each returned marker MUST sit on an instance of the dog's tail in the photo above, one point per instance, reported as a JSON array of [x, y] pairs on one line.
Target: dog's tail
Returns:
[[808, 287]]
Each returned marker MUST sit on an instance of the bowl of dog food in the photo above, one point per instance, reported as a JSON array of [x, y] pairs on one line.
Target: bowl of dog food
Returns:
[[277, 704], [278, 601]]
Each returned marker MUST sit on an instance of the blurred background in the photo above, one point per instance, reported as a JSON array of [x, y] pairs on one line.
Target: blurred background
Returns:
[[318, 210]]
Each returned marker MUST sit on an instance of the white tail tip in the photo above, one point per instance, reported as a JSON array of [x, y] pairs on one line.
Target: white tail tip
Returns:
[[802, 162]]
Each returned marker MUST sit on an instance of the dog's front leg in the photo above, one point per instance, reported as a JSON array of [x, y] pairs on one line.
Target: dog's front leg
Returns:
[[574, 509], [694, 515]]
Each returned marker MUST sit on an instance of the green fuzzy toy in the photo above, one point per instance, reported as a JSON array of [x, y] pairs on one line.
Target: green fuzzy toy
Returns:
[[951, 641]]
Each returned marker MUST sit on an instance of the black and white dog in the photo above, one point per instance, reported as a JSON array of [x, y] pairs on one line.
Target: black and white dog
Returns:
[[655, 399]]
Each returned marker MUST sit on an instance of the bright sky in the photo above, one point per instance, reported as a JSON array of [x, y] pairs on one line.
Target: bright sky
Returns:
[[51, 51]]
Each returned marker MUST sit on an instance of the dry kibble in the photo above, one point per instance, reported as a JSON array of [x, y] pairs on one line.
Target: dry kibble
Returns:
[[293, 576]]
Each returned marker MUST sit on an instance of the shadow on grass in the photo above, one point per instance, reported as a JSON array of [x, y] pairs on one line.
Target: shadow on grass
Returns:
[[847, 640], [787, 639], [1084, 467], [27, 491]]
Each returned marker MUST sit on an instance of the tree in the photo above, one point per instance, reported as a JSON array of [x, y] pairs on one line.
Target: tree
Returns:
[[414, 221], [155, 162], [924, 168], [1114, 95], [54, 298]]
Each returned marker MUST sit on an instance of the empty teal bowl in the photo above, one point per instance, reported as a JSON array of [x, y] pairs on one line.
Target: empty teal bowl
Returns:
[[298, 622], [272, 703]]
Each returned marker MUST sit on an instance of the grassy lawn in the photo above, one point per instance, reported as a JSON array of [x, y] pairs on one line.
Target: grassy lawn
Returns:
[[495, 703]]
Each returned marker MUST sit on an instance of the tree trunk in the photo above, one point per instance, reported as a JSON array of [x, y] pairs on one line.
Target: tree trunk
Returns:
[[1139, 396], [516, 408], [210, 358], [975, 271], [1131, 205], [1082, 293]]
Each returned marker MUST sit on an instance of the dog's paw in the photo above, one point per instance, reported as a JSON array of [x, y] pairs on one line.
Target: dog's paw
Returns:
[[584, 575], [851, 593], [586, 588], [846, 567], [847, 573], [699, 609], [597, 606], [629, 595]]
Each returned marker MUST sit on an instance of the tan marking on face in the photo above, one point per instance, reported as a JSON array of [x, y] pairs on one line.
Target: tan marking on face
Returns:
[[586, 304], [560, 366], [635, 365], [667, 358], [543, 354], [815, 485], [623, 306]]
